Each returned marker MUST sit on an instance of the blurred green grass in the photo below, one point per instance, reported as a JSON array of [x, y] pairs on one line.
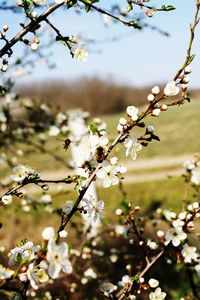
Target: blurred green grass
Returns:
[[18, 224], [178, 129]]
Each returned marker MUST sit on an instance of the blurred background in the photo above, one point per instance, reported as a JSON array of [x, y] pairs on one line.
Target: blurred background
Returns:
[[123, 65]]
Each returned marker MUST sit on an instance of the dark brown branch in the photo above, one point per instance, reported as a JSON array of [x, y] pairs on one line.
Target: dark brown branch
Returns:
[[30, 27]]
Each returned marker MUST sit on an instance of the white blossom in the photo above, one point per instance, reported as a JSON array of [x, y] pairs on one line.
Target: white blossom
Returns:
[[67, 207], [189, 253], [26, 251], [80, 53], [133, 146], [90, 273], [95, 209], [110, 174], [150, 97], [35, 275], [57, 257], [5, 273], [153, 283], [21, 172], [157, 295], [178, 223], [175, 235], [132, 112], [155, 90], [171, 89], [126, 281], [48, 233]]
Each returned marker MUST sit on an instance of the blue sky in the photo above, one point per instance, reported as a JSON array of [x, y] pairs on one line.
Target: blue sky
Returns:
[[139, 58]]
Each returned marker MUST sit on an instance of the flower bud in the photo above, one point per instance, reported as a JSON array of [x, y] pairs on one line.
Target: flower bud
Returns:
[[163, 107], [155, 112], [155, 90], [187, 70], [34, 14], [122, 121], [34, 46], [153, 283], [5, 27], [150, 97], [185, 79], [4, 68], [150, 129], [149, 13]]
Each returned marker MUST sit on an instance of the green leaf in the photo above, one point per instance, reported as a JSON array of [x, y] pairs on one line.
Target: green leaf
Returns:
[[27, 5], [71, 3], [87, 7], [167, 7], [93, 128]]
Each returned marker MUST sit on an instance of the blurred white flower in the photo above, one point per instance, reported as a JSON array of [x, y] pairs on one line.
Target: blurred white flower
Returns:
[[132, 112], [80, 53], [157, 295], [67, 207], [45, 199], [5, 273], [126, 281], [90, 273], [195, 178], [35, 275], [106, 19], [48, 233], [153, 283], [188, 165], [7, 199], [107, 288], [63, 233], [53, 131], [171, 89], [57, 257], [189, 253]]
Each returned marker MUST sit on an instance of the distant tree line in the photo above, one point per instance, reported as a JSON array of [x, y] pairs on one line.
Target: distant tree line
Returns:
[[93, 94]]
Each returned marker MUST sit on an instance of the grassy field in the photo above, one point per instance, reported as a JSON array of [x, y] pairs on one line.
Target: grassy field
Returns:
[[178, 129], [166, 193]]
